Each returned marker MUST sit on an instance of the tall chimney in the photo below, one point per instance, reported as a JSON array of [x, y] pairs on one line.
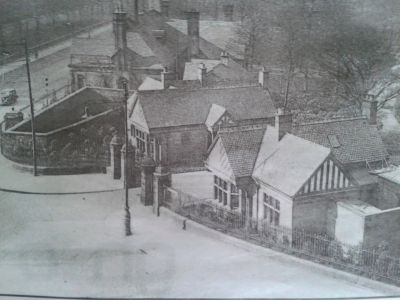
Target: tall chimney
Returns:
[[167, 78], [193, 27], [202, 73], [225, 58], [120, 42], [263, 78], [164, 5], [283, 123], [228, 12]]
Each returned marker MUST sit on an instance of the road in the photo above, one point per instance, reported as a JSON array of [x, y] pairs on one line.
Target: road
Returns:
[[73, 245], [52, 64]]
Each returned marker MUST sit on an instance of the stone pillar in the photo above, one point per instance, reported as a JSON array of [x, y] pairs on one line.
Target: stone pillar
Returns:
[[146, 195], [130, 157], [162, 178], [115, 154]]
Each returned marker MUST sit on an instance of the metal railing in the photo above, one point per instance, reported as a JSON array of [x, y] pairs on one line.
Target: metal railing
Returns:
[[375, 264]]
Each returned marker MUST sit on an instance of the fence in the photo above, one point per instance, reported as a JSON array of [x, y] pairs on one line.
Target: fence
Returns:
[[372, 263], [49, 98]]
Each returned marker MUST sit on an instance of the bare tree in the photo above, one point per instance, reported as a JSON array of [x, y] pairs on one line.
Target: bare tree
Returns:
[[360, 59]]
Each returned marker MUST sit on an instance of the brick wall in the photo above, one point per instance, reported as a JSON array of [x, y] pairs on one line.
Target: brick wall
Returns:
[[186, 146], [384, 226], [389, 196], [317, 213]]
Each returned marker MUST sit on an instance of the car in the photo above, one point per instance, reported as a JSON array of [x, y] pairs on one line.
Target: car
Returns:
[[8, 97]]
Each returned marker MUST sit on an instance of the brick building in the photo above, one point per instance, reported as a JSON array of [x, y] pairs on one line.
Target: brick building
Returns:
[[176, 126]]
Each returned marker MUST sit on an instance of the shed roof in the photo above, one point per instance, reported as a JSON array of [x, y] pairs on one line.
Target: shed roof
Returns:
[[357, 140], [179, 107]]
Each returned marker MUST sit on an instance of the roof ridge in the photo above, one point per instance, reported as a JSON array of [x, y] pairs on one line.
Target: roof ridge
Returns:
[[334, 120], [202, 88]]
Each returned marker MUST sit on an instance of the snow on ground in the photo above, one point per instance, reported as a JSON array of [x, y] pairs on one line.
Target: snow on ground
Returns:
[[73, 245], [13, 179]]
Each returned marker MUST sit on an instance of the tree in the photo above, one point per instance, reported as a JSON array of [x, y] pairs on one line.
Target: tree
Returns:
[[360, 58], [251, 33]]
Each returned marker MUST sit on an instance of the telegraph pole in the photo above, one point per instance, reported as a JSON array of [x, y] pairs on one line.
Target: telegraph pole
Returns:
[[32, 109], [128, 231]]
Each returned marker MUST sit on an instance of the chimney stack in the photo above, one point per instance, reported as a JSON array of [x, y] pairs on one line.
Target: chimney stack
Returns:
[[370, 109], [263, 78], [202, 73], [167, 78], [283, 123], [193, 32], [164, 5], [120, 41], [228, 12], [225, 58]]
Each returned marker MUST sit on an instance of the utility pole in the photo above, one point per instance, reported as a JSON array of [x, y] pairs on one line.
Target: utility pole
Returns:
[[32, 109], [128, 231]]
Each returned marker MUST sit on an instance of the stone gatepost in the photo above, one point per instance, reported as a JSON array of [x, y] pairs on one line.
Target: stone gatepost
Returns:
[[162, 177], [130, 156], [115, 154], [146, 195]]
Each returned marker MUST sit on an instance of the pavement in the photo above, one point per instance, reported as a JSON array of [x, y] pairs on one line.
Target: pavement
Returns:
[[74, 245], [14, 180]]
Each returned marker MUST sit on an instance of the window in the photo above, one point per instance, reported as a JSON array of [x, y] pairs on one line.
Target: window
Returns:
[[133, 133], [234, 196], [141, 140], [220, 190], [272, 209]]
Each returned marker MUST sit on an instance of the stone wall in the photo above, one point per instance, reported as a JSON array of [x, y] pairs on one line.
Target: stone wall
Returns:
[[84, 144], [186, 146]]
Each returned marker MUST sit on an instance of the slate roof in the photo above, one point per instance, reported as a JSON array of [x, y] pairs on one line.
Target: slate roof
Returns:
[[219, 33], [242, 146], [179, 107], [216, 71], [290, 165], [358, 140]]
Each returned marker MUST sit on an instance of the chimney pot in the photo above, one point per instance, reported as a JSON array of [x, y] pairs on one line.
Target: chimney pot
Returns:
[[202, 73], [167, 78], [225, 58], [263, 78]]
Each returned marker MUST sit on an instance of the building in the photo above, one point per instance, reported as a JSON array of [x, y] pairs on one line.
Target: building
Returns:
[[276, 177], [176, 126], [141, 44]]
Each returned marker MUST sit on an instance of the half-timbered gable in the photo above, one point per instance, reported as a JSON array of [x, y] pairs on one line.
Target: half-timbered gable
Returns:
[[330, 176]]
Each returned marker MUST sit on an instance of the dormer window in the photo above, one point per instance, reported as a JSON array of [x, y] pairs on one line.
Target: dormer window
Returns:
[[334, 141]]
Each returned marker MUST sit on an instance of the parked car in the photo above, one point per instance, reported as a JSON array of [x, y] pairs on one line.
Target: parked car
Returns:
[[8, 97]]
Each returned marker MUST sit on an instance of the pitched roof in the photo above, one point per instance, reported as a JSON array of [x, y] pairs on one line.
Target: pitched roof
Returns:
[[219, 33], [191, 107], [242, 146], [192, 67], [358, 141], [290, 165]]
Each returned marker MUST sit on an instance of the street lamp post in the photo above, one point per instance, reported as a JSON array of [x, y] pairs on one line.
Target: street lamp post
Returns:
[[128, 231], [28, 72]]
